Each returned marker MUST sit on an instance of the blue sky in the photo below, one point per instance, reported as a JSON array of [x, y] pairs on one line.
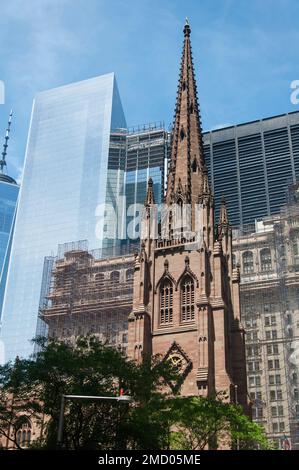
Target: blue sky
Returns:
[[245, 55]]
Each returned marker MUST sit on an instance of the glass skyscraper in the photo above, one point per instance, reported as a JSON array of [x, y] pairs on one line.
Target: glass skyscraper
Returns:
[[252, 164], [142, 152], [146, 157], [9, 191], [67, 177]]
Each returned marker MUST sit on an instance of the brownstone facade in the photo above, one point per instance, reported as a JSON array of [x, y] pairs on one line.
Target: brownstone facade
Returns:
[[186, 293]]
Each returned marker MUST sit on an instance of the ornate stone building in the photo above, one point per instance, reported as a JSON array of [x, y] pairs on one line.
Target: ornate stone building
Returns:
[[87, 295], [186, 293], [268, 255]]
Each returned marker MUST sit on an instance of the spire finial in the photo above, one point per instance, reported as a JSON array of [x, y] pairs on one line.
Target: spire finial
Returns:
[[187, 29], [223, 219], [205, 181], [187, 155], [150, 193], [5, 145]]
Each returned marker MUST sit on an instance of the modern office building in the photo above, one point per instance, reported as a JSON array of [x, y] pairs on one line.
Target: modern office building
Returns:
[[268, 255], [67, 180], [147, 149], [9, 191], [142, 152], [252, 164]]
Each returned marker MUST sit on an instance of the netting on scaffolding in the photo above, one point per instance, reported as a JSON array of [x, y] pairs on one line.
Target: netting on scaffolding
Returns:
[[269, 263], [84, 294]]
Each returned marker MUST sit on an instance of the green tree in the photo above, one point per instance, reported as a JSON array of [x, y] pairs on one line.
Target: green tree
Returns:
[[201, 422], [155, 419], [13, 411], [90, 368]]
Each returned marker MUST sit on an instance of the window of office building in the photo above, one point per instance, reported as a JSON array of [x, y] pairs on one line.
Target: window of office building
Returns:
[[247, 262], [250, 322], [273, 364], [253, 366], [272, 349], [275, 395], [265, 256], [270, 320], [257, 412], [256, 396], [254, 381]]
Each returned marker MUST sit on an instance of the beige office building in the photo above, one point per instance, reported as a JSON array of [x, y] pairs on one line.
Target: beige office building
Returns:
[[268, 255]]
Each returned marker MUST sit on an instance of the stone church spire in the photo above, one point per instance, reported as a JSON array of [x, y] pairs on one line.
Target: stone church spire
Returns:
[[150, 199], [223, 217], [187, 159], [186, 304]]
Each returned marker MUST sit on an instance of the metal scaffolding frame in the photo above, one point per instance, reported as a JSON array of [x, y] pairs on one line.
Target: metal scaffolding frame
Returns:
[[269, 307], [87, 295]]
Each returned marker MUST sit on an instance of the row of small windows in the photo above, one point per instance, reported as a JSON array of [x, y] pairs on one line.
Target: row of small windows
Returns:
[[255, 381], [275, 395], [270, 334], [265, 258], [115, 275], [269, 320], [187, 301], [248, 263], [255, 351], [255, 365]]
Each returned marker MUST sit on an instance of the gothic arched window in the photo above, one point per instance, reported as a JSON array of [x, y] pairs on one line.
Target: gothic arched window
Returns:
[[266, 263], [187, 299], [247, 262], [24, 434], [114, 276], [166, 302]]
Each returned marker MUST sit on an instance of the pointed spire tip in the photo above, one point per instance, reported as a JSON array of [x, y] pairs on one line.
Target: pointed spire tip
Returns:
[[5, 145], [187, 29], [223, 216], [150, 199]]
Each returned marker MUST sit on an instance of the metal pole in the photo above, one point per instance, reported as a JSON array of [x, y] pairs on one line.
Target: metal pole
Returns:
[[236, 402], [123, 398], [236, 394], [60, 424]]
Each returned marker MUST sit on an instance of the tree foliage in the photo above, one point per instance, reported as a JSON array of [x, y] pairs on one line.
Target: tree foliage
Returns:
[[154, 419], [214, 422]]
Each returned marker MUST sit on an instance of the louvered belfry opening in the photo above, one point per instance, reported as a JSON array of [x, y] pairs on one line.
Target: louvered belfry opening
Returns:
[[187, 299], [166, 302]]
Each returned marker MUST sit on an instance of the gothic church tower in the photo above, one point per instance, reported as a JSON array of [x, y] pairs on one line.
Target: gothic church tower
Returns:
[[186, 292]]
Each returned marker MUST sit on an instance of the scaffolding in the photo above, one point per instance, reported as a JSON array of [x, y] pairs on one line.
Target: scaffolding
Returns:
[[269, 261], [84, 294]]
